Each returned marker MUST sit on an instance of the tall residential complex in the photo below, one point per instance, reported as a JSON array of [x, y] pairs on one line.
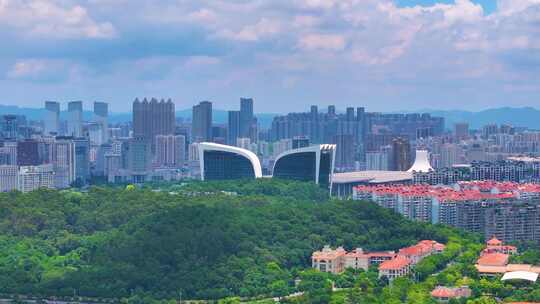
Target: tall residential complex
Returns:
[[101, 114], [82, 161], [64, 161], [170, 151], [139, 158], [247, 123], [201, 129], [35, 177], [401, 154], [233, 131], [461, 131], [28, 153], [153, 118], [52, 117], [75, 119]]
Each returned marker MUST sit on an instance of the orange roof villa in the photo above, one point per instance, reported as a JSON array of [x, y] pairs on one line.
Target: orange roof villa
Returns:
[[391, 264]]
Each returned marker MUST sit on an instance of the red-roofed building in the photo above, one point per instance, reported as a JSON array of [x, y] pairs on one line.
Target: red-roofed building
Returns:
[[493, 259], [359, 259], [505, 209], [445, 294], [337, 260], [421, 250], [397, 267], [496, 246]]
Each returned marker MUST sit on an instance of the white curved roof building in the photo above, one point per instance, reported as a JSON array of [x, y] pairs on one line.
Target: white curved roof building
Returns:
[[222, 162], [520, 275], [421, 162], [314, 163]]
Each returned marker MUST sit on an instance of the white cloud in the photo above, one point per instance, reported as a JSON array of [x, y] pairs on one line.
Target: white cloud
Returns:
[[46, 18], [40, 69], [253, 32], [322, 42], [509, 7], [301, 41]]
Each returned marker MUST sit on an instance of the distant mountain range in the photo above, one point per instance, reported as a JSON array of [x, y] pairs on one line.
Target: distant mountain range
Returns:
[[521, 117]]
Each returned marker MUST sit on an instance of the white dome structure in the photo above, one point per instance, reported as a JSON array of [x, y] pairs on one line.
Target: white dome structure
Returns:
[[421, 162]]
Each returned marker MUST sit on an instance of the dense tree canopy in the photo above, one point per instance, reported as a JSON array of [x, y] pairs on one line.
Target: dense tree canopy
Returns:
[[203, 240], [223, 240]]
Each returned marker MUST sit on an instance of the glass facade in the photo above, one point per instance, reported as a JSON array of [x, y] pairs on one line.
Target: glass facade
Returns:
[[325, 168], [220, 165], [297, 166]]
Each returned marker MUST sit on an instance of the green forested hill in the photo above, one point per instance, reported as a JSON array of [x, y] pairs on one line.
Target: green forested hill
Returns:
[[191, 239]]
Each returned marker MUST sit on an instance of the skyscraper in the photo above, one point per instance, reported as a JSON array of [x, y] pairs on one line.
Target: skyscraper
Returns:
[[101, 113], [64, 162], [139, 158], [153, 118], [461, 130], [10, 124], [28, 153], [75, 119], [246, 117], [401, 154], [233, 127], [344, 152], [170, 151], [51, 121], [202, 122], [82, 161]]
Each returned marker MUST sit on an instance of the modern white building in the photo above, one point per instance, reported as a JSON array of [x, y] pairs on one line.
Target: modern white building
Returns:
[[35, 177], [8, 178], [313, 163], [222, 162]]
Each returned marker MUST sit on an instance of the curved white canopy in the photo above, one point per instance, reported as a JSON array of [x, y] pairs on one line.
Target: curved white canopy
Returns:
[[421, 162], [520, 275]]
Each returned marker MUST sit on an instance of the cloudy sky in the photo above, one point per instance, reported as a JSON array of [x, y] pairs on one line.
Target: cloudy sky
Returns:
[[387, 55]]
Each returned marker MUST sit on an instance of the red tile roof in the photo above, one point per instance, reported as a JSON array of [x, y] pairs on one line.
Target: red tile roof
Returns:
[[467, 191], [494, 242], [493, 259], [399, 262]]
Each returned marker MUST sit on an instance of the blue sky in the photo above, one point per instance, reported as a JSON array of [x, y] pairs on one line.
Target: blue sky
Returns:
[[489, 6], [386, 55]]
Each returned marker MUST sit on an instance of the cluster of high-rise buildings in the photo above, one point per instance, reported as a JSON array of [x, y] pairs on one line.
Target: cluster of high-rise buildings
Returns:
[[53, 154], [508, 210]]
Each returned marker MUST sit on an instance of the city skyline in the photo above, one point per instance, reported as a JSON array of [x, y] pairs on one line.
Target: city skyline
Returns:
[[385, 55]]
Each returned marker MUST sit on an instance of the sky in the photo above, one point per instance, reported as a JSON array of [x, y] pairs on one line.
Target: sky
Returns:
[[386, 55]]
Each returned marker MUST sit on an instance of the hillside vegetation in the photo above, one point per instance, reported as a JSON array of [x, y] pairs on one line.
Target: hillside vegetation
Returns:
[[192, 239]]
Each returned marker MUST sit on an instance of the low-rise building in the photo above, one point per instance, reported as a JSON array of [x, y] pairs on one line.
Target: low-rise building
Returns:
[[444, 294], [359, 259], [329, 260], [496, 246], [391, 264], [399, 266]]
